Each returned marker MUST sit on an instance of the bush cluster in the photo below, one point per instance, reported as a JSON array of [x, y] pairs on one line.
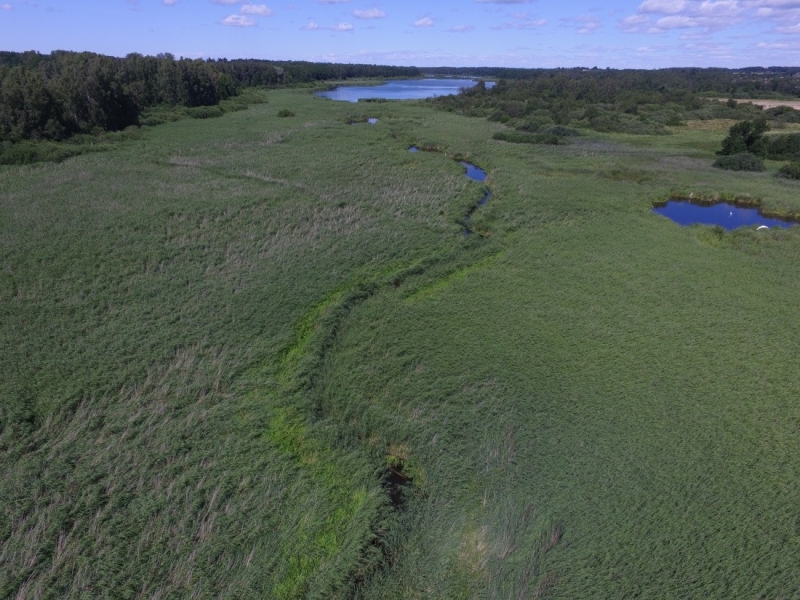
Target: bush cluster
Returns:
[[744, 161], [790, 170], [518, 137]]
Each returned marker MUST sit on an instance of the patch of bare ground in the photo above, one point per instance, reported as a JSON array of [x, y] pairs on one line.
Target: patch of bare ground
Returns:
[[795, 104]]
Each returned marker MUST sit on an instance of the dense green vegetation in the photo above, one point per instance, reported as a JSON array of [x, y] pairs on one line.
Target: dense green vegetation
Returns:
[[746, 141], [612, 101], [743, 161], [790, 170], [749, 82], [255, 356], [56, 96]]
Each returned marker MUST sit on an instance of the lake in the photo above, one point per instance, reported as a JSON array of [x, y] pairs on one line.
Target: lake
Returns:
[[406, 89], [723, 214]]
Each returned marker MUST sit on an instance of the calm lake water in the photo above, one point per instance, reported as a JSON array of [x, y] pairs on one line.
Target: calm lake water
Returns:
[[407, 89], [723, 214]]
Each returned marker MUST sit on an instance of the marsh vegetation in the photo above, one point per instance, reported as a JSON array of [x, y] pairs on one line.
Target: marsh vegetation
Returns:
[[254, 356]]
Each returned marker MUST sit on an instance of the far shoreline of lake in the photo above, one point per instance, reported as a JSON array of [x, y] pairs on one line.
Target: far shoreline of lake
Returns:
[[403, 89]]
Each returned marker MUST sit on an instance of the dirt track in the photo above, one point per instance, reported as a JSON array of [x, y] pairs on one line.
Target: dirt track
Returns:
[[773, 103]]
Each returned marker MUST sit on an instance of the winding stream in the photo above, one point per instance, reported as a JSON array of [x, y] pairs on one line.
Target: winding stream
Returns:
[[475, 173]]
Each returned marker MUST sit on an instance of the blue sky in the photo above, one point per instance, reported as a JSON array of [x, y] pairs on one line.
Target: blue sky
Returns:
[[519, 33]]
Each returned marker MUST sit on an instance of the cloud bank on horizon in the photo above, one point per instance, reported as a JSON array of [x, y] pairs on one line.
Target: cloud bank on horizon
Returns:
[[514, 33]]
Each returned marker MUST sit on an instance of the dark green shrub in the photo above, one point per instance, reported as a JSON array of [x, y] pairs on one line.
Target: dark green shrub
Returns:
[[495, 116], [562, 131], [517, 137], [26, 152], [782, 147], [513, 108], [536, 123], [205, 112], [745, 136], [785, 114], [285, 112], [790, 170], [743, 161]]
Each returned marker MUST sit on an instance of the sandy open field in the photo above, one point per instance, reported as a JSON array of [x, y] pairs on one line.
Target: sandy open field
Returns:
[[773, 103]]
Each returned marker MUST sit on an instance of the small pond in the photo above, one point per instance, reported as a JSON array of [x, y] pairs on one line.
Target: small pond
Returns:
[[407, 89], [473, 172], [723, 214]]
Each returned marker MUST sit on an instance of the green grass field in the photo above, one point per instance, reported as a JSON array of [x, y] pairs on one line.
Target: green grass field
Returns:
[[255, 357]]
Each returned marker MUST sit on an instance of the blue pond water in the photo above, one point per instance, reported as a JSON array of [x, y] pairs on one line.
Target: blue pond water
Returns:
[[473, 172], [413, 149], [407, 89], [725, 215]]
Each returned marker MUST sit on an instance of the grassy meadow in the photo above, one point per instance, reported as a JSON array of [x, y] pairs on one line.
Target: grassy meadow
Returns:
[[256, 357]]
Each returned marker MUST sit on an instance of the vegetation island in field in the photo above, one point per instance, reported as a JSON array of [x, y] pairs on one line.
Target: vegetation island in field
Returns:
[[249, 351]]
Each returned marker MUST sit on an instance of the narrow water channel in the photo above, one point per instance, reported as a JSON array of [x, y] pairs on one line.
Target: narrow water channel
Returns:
[[475, 173]]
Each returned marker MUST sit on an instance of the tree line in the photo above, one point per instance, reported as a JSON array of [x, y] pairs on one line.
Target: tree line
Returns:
[[741, 83], [625, 101], [55, 96]]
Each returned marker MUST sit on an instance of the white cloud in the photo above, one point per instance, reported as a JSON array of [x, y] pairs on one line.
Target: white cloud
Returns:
[[502, 1], [521, 24], [170, 2], [257, 9], [668, 7], [333, 1], [372, 13], [634, 23], [6, 6], [677, 22], [227, 1], [588, 24], [701, 17], [705, 15], [424, 22], [462, 28], [312, 26], [238, 21]]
